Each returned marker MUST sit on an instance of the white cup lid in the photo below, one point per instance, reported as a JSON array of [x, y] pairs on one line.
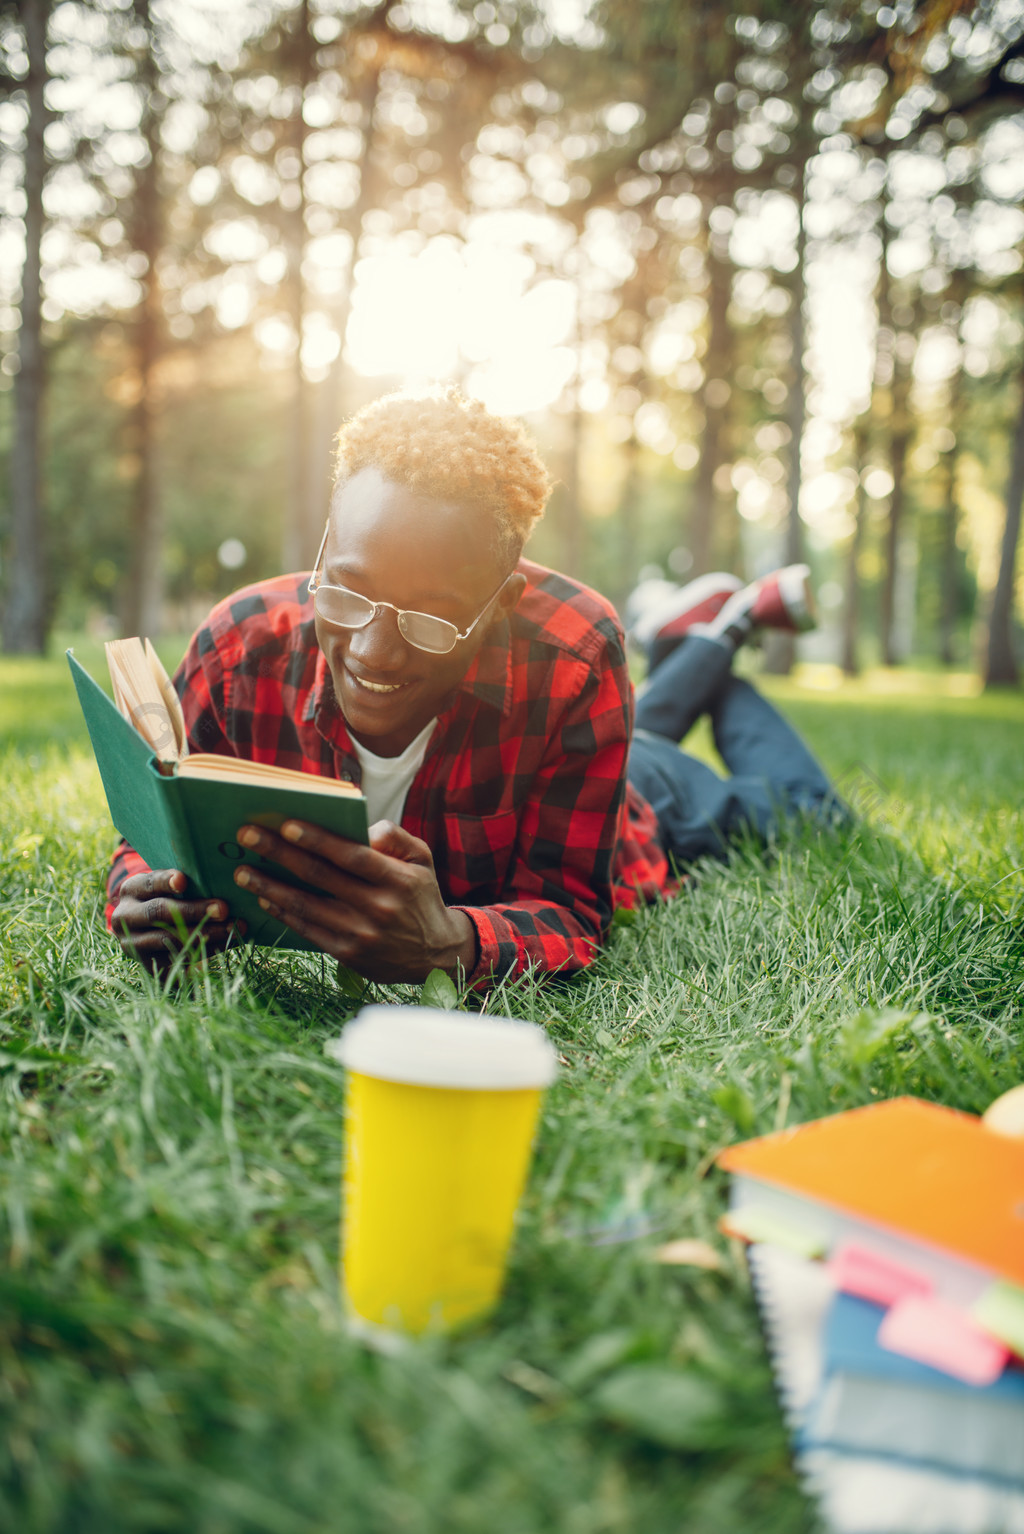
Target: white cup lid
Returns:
[[430, 1048]]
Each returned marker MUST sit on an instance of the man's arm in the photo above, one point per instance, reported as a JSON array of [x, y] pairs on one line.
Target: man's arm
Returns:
[[381, 911]]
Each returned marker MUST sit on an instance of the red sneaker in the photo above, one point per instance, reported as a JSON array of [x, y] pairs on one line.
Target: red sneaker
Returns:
[[673, 613], [781, 600], [784, 600]]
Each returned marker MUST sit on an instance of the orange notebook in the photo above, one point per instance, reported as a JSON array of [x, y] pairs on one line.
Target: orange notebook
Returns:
[[920, 1170]]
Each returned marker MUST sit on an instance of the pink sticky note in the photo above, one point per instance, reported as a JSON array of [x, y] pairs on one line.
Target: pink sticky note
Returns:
[[938, 1334], [858, 1270]]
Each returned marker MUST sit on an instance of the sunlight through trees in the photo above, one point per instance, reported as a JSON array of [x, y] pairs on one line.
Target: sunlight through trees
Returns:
[[753, 278]]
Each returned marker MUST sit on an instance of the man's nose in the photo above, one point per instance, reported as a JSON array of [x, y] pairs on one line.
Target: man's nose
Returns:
[[380, 646]]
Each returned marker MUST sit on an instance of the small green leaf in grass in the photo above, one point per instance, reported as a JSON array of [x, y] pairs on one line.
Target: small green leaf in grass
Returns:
[[735, 1104], [350, 984], [30, 1057], [864, 1033], [681, 1411], [439, 991]]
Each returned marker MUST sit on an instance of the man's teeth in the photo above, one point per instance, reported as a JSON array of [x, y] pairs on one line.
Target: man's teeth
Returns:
[[379, 686]]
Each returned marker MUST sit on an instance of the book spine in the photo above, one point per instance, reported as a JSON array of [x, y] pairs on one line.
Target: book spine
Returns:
[[172, 797]]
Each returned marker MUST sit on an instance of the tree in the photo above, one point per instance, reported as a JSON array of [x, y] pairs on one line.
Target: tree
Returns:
[[949, 567], [715, 99], [25, 610], [355, 125], [954, 63], [851, 591], [901, 428], [116, 172], [1000, 660], [300, 62], [780, 647], [143, 597], [715, 395]]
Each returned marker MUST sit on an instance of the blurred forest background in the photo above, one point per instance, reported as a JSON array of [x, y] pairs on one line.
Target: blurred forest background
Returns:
[[753, 277]]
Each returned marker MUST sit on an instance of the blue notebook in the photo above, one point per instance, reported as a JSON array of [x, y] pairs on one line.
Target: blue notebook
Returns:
[[872, 1401], [863, 1492]]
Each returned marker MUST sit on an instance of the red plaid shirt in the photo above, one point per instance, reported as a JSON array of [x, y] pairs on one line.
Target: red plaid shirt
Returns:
[[522, 795]]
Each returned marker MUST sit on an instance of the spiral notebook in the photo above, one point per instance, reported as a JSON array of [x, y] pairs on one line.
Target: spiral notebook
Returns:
[[861, 1488]]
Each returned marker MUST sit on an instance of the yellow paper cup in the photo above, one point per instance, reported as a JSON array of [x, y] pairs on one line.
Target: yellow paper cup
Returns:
[[441, 1110]]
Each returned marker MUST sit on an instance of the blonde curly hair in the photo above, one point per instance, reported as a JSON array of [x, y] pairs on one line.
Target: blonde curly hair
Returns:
[[451, 448]]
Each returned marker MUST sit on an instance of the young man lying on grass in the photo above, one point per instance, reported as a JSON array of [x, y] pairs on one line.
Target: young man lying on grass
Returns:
[[484, 705]]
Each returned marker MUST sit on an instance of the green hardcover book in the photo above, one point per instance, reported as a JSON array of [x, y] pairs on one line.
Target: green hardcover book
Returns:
[[177, 820]]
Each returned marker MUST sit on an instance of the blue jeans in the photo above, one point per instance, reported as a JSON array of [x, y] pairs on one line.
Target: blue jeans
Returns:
[[774, 775]]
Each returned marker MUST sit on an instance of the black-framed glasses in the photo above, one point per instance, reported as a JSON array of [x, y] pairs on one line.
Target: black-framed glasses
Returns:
[[348, 610]]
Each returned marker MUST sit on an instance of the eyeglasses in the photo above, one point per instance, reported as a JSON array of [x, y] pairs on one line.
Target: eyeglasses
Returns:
[[348, 610]]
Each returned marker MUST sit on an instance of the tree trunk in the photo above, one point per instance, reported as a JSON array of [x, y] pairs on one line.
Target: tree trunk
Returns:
[[24, 626], [628, 525], [700, 530], [143, 603], [901, 431], [881, 378], [780, 647], [851, 595], [894, 528], [950, 572], [299, 532], [336, 391], [572, 511], [1000, 661], [949, 576]]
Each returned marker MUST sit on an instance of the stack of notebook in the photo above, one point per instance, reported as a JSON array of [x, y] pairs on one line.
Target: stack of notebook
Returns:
[[887, 1249]]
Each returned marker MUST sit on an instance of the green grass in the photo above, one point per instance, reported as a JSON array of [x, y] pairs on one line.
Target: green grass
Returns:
[[172, 1353], [37, 705]]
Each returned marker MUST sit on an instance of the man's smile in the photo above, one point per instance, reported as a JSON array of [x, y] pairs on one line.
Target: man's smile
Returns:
[[372, 689], [379, 686]]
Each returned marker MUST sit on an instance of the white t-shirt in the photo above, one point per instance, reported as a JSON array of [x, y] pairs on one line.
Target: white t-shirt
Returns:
[[386, 779]]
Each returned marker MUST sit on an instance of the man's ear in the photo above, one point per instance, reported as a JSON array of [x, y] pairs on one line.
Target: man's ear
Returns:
[[509, 599]]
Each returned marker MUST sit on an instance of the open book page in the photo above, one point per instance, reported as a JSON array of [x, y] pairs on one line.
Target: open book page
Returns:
[[144, 695], [230, 769], [170, 698]]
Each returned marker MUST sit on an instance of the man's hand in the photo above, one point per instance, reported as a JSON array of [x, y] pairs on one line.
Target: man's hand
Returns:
[[152, 922], [381, 912]]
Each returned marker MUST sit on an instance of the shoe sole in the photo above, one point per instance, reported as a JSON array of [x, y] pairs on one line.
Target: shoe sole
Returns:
[[697, 602]]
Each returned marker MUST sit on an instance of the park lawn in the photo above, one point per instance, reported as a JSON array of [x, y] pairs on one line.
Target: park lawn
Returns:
[[172, 1353], [37, 706]]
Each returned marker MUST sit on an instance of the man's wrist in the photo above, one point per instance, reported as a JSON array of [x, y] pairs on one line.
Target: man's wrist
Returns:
[[460, 952]]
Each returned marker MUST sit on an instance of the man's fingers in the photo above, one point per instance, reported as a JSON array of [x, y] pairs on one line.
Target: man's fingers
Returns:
[[321, 874], [344, 942], [152, 924], [151, 943], [186, 913], [144, 945], [355, 859], [331, 912], [343, 904], [368, 863], [135, 914], [155, 881]]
